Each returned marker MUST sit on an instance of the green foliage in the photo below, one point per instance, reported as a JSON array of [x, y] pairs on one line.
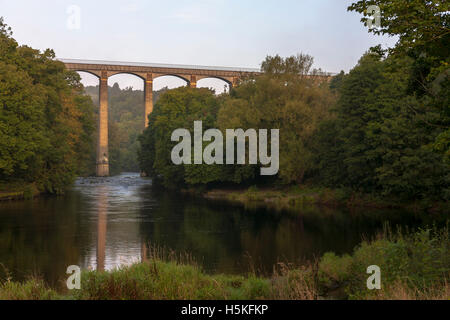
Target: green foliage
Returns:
[[156, 280], [334, 269], [379, 137], [336, 81], [126, 123], [30, 290], [289, 97], [417, 23], [389, 134], [421, 260], [46, 123], [176, 109]]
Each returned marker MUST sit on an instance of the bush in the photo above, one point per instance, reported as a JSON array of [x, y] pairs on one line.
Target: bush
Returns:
[[334, 270], [419, 261], [156, 280], [33, 289]]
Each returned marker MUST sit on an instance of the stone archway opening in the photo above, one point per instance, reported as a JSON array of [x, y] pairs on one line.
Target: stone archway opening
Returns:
[[126, 113], [217, 84], [169, 81]]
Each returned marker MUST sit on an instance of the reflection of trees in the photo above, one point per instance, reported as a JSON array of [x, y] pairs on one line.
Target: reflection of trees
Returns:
[[45, 235], [38, 237], [220, 235], [187, 226]]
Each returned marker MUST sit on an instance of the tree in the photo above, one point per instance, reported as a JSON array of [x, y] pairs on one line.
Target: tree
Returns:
[[177, 108], [423, 24], [376, 143], [125, 125], [46, 122], [289, 96], [423, 30]]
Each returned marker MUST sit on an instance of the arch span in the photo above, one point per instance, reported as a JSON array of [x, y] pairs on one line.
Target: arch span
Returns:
[[125, 79], [169, 81], [189, 74], [140, 76], [218, 84], [93, 73], [185, 79], [227, 81], [89, 78]]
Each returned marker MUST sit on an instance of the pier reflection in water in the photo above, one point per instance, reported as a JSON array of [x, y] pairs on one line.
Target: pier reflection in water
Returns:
[[101, 228]]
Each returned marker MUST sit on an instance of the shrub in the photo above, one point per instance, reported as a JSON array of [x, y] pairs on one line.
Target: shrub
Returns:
[[334, 270], [33, 289], [419, 261]]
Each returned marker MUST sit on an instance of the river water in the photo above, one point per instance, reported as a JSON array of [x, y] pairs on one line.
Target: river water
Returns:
[[107, 222]]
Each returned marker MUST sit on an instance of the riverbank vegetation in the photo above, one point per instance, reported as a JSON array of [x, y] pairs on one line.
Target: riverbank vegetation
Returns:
[[381, 131], [46, 122], [413, 266], [294, 198]]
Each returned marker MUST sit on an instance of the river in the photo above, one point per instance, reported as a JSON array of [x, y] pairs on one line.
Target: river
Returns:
[[107, 222]]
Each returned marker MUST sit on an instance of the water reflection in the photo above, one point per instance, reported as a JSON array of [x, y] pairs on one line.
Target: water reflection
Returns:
[[101, 227], [106, 222], [113, 208]]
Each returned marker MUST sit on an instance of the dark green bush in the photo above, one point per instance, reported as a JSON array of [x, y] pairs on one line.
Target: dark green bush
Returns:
[[420, 260]]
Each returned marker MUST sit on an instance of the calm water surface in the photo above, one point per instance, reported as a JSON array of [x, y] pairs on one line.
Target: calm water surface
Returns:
[[106, 222]]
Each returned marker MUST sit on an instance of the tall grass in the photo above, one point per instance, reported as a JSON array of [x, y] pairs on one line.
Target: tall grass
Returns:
[[33, 289], [416, 264], [413, 266]]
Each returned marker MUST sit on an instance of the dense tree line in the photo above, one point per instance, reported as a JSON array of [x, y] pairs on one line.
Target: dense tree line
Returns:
[[46, 122], [382, 137], [383, 128], [289, 96], [391, 131]]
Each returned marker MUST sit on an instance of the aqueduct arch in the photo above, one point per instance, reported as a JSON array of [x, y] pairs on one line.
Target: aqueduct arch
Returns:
[[147, 72]]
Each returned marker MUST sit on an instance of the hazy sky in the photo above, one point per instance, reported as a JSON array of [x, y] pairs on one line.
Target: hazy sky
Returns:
[[205, 32]]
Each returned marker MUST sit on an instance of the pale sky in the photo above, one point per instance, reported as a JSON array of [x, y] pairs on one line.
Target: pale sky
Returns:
[[238, 33]]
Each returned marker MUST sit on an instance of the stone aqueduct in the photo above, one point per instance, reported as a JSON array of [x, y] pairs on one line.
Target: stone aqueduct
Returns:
[[147, 72]]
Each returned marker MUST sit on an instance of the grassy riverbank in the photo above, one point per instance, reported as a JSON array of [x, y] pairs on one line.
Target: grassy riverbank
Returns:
[[18, 191], [416, 266], [294, 197]]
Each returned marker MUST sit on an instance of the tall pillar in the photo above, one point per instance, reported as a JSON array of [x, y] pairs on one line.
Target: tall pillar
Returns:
[[235, 82], [102, 146], [148, 94], [193, 82]]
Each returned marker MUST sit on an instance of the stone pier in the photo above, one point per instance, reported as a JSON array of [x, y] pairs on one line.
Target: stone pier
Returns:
[[102, 146], [148, 96]]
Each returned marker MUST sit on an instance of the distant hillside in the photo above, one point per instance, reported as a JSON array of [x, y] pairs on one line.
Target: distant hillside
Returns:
[[126, 123]]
